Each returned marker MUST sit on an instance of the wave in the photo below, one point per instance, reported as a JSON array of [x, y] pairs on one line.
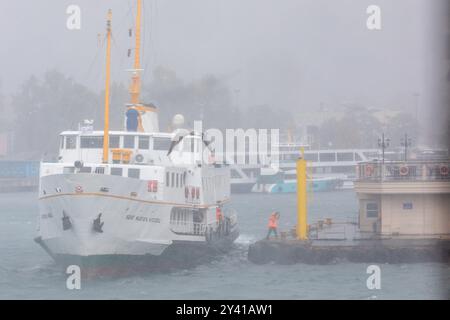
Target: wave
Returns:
[[245, 239]]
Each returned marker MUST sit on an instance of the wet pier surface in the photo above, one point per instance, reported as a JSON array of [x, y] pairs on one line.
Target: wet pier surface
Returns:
[[333, 243]]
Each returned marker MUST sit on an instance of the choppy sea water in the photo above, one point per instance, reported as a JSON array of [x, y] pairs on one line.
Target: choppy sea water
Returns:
[[26, 272]]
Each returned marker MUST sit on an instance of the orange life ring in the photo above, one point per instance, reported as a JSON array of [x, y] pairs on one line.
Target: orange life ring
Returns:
[[369, 170], [404, 170], [444, 170]]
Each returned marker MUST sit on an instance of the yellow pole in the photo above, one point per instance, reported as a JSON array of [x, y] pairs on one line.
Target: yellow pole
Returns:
[[138, 36], [302, 226], [108, 73], [136, 81]]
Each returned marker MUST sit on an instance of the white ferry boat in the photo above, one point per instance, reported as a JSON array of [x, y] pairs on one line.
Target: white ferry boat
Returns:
[[328, 169], [139, 197]]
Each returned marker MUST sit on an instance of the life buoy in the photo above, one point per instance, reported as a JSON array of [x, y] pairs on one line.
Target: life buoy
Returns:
[[444, 170], [404, 170], [369, 170]]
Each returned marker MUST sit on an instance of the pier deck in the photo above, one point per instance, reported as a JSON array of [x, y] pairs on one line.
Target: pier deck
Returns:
[[344, 242]]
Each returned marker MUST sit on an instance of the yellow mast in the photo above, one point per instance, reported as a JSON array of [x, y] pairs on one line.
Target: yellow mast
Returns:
[[108, 73], [302, 220], [136, 80]]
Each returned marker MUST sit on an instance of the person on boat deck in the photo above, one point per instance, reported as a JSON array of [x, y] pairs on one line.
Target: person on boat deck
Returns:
[[219, 215], [273, 224]]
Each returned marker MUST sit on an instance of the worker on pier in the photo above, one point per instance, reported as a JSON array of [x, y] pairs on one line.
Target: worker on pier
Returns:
[[273, 224]]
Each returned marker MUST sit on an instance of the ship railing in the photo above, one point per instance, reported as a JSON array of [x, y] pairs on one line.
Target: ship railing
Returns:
[[333, 228], [437, 170], [188, 227]]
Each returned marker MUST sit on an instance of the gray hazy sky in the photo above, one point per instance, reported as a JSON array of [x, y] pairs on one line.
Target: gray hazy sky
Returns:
[[289, 53]]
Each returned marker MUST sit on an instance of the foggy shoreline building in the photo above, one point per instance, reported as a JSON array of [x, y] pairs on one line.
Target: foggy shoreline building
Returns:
[[404, 199]]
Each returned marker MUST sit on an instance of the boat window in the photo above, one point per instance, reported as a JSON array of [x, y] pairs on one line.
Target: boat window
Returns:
[[144, 142], [372, 210], [133, 173], [343, 169], [128, 142], [184, 178], [85, 170], [68, 169], [114, 141], [71, 142], [311, 157], [91, 142], [234, 174], [407, 205], [172, 182], [345, 156], [327, 157], [167, 179], [358, 157], [61, 143], [318, 170], [100, 170], [116, 171], [178, 180], [160, 143], [179, 215]]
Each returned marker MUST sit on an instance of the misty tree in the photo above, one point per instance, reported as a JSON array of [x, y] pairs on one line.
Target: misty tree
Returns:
[[169, 94], [268, 117], [45, 107], [118, 100], [358, 128], [401, 124], [207, 99]]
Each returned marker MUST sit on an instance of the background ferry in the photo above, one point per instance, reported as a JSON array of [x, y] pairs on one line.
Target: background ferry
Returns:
[[328, 170]]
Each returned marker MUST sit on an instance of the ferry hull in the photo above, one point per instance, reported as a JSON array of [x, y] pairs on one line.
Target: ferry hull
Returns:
[[136, 234], [177, 256], [242, 187]]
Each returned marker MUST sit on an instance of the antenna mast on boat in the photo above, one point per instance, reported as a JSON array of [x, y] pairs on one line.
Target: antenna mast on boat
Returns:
[[139, 116], [135, 88], [108, 73]]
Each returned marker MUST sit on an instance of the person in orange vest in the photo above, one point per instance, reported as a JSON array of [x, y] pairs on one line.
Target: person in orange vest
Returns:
[[273, 224], [219, 217]]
